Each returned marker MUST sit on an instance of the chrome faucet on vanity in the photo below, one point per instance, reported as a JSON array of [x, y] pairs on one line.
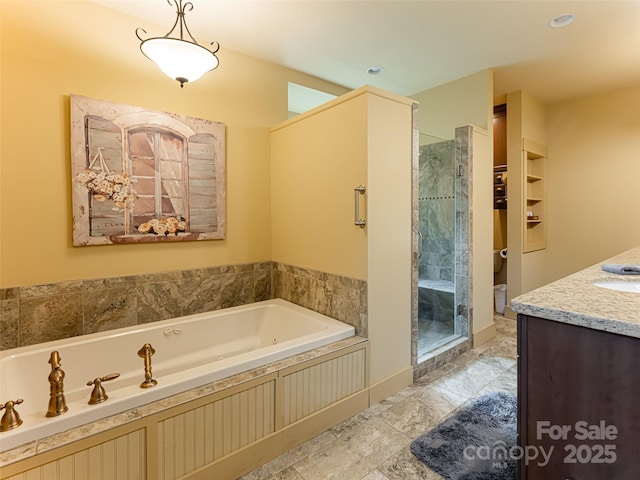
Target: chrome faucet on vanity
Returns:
[[57, 402], [146, 352]]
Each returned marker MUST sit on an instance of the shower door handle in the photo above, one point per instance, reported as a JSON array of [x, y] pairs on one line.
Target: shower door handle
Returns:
[[419, 244], [357, 191]]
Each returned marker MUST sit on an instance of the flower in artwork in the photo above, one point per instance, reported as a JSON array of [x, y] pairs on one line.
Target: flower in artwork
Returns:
[[164, 226], [83, 177], [104, 185], [160, 228]]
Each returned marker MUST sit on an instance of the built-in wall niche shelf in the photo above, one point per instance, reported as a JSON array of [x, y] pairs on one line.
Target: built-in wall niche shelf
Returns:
[[499, 187], [534, 156]]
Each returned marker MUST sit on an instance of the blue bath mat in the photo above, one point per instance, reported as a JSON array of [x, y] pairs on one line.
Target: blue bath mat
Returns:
[[452, 448]]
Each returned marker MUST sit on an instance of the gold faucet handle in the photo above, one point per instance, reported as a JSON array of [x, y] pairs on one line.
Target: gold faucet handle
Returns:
[[111, 376], [11, 419], [55, 359], [10, 403], [98, 394], [146, 349]]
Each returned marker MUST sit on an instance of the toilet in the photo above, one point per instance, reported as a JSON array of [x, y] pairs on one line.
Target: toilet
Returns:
[[500, 290]]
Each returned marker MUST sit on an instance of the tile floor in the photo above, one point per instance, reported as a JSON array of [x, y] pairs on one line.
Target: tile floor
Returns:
[[374, 445]]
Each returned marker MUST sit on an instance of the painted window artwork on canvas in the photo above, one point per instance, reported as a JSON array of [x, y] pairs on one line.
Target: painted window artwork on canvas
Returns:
[[144, 176]]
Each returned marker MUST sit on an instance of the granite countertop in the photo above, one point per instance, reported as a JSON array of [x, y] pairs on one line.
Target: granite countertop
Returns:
[[576, 301]]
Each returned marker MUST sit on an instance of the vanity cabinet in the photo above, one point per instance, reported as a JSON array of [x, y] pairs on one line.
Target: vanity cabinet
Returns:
[[533, 159], [578, 398]]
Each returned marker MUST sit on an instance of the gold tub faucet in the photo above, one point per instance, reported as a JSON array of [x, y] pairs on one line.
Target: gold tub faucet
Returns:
[[98, 394], [146, 352], [57, 402], [11, 418]]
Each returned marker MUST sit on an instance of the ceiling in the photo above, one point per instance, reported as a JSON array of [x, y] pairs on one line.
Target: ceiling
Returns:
[[423, 44]]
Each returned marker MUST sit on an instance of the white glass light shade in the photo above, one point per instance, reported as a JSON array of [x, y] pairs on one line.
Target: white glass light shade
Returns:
[[179, 59]]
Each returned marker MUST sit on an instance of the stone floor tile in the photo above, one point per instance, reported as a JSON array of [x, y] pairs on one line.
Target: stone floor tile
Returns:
[[375, 443], [421, 412], [355, 454], [405, 466], [375, 475], [286, 460]]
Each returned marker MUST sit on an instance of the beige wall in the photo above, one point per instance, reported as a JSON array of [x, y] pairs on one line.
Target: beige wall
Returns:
[[533, 128], [481, 255], [525, 119], [49, 51], [363, 137], [591, 180], [389, 235], [593, 189], [466, 101], [317, 159], [469, 101]]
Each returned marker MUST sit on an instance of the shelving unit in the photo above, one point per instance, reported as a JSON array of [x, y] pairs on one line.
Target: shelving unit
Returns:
[[533, 159], [499, 187]]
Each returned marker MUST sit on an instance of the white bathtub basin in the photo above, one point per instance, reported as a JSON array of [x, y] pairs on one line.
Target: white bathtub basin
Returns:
[[620, 285], [191, 351]]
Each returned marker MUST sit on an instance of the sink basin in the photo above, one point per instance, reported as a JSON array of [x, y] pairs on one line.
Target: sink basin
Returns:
[[620, 285]]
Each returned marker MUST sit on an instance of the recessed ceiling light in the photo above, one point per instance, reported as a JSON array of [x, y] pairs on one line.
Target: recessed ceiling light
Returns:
[[562, 20], [375, 70]]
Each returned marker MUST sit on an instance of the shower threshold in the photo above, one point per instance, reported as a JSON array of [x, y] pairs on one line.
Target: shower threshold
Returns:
[[442, 347]]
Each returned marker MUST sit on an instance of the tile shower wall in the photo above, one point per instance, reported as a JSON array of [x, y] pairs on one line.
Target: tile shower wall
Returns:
[[41, 313], [437, 207]]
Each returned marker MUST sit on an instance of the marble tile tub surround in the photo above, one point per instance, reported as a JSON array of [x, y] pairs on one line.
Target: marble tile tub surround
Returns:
[[339, 297], [41, 313], [575, 300]]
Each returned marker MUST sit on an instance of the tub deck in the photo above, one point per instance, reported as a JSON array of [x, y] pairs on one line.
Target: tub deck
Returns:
[[47, 444], [240, 341]]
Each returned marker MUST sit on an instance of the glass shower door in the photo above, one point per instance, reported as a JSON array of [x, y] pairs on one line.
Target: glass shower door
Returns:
[[437, 245]]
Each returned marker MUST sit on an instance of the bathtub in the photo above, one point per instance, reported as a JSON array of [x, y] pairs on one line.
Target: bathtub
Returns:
[[190, 352]]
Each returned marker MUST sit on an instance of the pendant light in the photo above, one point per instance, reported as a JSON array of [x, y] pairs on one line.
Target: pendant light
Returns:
[[182, 59]]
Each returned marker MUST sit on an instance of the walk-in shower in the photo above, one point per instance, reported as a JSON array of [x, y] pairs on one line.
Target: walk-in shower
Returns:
[[436, 246], [443, 244]]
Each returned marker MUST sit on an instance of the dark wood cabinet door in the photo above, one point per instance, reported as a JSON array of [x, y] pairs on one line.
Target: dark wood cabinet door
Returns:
[[578, 402]]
